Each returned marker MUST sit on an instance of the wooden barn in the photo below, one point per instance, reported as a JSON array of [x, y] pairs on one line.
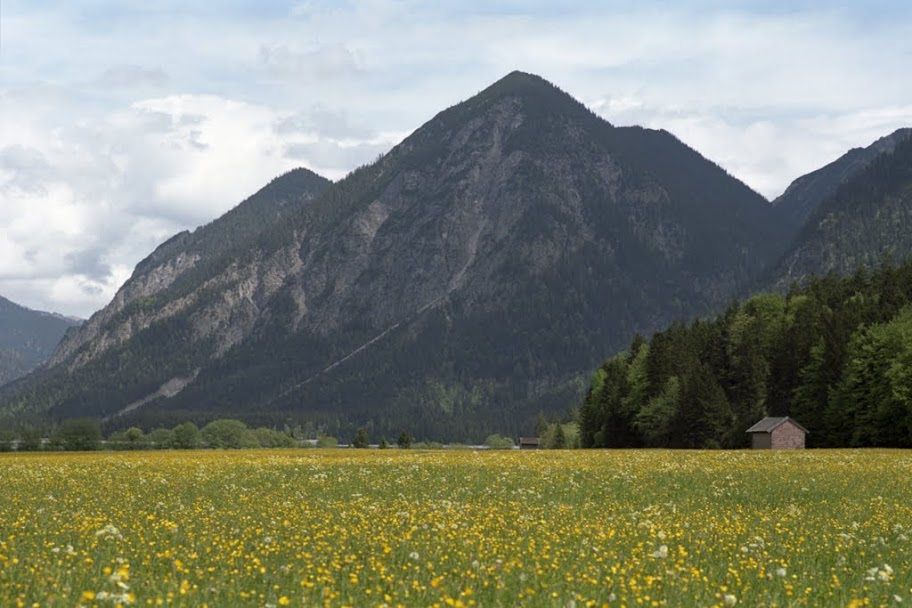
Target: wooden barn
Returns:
[[529, 443], [777, 434]]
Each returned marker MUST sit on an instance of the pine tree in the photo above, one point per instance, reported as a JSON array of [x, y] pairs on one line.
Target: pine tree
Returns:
[[361, 440]]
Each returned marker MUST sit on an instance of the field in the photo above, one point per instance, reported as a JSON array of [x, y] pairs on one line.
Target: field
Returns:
[[456, 528]]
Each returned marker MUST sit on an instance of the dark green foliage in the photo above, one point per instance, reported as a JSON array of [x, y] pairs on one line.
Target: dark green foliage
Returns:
[[405, 440], [163, 439], [230, 434], [327, 441], [78, 435], [836, 356], [361, 439], [7, 440], [186, 436], [497, 442], [29, 440]]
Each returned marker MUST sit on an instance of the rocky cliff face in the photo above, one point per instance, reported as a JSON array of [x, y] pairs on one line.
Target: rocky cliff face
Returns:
[[137, 305], [455, 286]]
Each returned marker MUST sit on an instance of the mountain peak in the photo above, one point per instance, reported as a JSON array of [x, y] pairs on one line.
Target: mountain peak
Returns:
[[527, 87]]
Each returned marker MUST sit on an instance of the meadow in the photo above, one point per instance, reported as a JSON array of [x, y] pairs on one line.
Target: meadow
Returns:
[[456, 528]]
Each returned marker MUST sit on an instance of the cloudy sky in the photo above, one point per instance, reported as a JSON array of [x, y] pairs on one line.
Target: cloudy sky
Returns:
[[123, 122]]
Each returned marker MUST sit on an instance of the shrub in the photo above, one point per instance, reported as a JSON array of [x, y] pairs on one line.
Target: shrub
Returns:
[[497, 442], [228, 434], [325, 441], [79, 435]]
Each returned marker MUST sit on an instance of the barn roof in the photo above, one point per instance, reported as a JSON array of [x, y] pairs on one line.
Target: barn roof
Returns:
[[769, 423]]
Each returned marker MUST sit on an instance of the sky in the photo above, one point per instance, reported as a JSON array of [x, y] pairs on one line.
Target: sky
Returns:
[[123, 123]]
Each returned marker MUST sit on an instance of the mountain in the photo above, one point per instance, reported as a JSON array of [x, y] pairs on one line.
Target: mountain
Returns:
[[457, 285], [865, 219], [27, 338], [799, 201]]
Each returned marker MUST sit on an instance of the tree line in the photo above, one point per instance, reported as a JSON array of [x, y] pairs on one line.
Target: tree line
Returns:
[[835, 355], [85, 434]]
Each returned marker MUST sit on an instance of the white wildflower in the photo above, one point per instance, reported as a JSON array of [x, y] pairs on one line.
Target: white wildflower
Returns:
[[661, 553], [781, 572], [414, 555], [109, 532], [729, 599]]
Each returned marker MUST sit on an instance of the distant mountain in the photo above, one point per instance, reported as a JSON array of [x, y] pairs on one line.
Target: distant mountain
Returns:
[[27, 338], [799, 201], [867, 218], [455, 286]]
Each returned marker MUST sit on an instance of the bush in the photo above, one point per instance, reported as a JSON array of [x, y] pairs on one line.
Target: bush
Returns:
[[29, 440], [496, 442], [269, 438], [161, 439], [325, 441], [405, 440], [228, 434], [186, 436], [78, 435], [361, 440]]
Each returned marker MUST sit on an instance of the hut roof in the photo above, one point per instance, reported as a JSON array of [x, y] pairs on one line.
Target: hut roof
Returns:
[[769, 423]]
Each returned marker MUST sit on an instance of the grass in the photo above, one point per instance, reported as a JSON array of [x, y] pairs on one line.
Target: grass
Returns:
[[460, 528]]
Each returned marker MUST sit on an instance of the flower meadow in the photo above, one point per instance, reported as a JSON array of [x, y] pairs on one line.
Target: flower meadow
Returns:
[[456, 528]]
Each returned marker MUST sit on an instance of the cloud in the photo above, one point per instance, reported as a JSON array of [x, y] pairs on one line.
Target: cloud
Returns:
[[320, 63], [132, 76], [85, 202]]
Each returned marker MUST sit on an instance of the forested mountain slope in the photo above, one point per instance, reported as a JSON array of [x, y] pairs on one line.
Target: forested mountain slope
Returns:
[[867, 217], [27, 338], [455, 286], [800, 200]]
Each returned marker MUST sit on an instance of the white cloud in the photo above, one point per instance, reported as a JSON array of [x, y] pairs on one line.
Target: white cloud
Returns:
[[83, 202]]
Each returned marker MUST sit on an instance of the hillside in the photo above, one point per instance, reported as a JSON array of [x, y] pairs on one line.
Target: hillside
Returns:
[[457, 285], [27, 338], [804, 195], [867, 217]]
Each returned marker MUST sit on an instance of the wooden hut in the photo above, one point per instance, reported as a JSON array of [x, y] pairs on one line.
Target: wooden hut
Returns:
[[777, 434], [529, 443]]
